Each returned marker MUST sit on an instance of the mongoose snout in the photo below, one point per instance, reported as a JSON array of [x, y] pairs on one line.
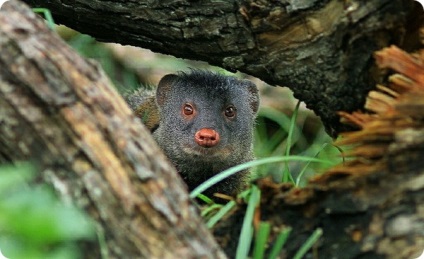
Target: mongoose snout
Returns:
[[206, 137]]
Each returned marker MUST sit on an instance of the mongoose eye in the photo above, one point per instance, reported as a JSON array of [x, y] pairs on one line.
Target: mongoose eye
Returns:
[[230, 112], [188, 109]]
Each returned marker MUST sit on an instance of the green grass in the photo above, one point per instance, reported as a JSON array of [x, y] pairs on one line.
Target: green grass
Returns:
[[299, 178], [246, 233], [279, 242], [221, 213], [261, 240], [287, 177], [289, 139], [235, 169], [47, 15], [308, 244]]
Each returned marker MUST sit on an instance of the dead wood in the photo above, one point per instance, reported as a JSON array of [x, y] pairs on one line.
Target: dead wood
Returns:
[[322, 50], [372, 206]]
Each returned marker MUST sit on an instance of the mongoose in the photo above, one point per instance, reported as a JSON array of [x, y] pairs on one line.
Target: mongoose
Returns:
[[206, 125]]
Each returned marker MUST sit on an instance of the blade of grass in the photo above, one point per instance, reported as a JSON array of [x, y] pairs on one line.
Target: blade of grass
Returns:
[[221, 213], [279, 243], [210, 208], [244, 195], [47, 14], [308, 243], [341, 152], [246, 232], [205, 199], [235, 169], [261, 238], [299, 177], [287, 177], [268, 143], [275, 140], [275, 115]]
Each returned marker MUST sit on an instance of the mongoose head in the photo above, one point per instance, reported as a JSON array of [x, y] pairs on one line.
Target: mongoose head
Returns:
[[206, 118]]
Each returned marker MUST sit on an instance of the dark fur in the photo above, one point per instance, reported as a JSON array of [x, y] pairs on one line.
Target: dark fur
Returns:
[[211, 93]]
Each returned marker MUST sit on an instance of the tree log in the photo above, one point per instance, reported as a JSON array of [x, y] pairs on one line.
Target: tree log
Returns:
[[322, 50], [372, 206], [60, 111]]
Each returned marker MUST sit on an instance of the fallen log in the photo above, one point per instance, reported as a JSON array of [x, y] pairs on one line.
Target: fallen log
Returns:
[[372, 206]]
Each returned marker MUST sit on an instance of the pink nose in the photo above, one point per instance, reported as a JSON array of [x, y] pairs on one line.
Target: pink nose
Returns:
[[206, 137]]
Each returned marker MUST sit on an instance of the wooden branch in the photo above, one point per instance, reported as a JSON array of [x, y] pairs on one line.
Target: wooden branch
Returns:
[[60, 111], [372, 205], [322, 50]]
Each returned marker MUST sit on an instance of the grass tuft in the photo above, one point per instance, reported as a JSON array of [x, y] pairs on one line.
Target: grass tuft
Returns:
[[308, 243], [287, 177], [246, 233], [235, 169]]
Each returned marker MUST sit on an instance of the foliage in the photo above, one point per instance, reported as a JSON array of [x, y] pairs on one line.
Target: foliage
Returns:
[[289, 139], [87, 46], [33, 222]]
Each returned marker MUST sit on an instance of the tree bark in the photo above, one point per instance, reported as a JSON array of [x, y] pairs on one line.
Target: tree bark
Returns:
[[61, 112], [372, 206], [322, 50]]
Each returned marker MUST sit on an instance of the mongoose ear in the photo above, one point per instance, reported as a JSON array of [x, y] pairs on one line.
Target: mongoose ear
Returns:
[[254, 95], [165, 85]]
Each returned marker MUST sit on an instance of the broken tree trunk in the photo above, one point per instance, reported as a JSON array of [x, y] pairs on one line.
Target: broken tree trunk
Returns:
[[322, 50], [60, 111], [372, 206]]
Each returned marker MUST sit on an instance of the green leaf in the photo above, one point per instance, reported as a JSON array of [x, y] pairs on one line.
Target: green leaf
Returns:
[[221, 213]]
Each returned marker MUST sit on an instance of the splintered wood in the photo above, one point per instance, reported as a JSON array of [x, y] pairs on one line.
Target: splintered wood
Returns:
[[392, 109]]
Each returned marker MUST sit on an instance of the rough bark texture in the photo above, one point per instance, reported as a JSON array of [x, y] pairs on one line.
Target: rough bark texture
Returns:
[[61, 111], [373, 205], [322, 50]]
